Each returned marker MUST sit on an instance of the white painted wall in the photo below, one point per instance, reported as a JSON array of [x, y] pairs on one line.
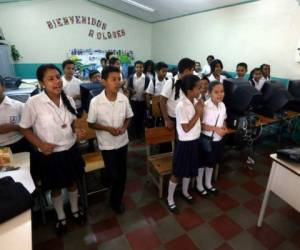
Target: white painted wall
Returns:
[[24, 24], [263, 31]]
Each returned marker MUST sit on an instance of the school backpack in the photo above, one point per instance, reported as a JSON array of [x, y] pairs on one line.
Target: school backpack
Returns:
[[130, 82]]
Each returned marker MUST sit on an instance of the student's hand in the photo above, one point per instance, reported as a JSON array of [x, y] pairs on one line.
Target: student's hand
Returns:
[[169, 124], [121, 130], [80, 133], [126, 92], [77, 97], [221, 131], [114, 131], [199, 107], [47, 148]]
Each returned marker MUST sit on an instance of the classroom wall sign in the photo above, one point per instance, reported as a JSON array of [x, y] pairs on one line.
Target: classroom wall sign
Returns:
[[98, 29]]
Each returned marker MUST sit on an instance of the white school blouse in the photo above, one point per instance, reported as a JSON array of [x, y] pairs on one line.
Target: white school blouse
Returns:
[[10, 112], [258, 85], [138, 86], [210, 115], [46, 120], [212, 78], [112, 114], [158, 86], [185, 111], [206, 70], [168, 92], [72, 88]]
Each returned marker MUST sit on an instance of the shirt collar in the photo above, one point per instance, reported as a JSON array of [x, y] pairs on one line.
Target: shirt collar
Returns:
[[45, 98], [142, 76], [210, 103], [103, 99], [6, 101]]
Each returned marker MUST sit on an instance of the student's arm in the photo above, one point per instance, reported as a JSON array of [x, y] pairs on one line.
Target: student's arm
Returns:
[[98, 126], [7, 127], [123, 129], [163, 108], [188, 126], [219, 131]]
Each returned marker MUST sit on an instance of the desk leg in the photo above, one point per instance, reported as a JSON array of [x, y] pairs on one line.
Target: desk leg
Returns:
[[266, 196]]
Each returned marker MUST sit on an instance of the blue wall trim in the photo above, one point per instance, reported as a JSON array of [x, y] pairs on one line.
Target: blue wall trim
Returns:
[[28, 70]]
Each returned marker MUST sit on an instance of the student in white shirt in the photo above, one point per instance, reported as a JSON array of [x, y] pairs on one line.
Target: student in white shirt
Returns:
[[198, 69], [137, 85], [216, 71], [186, 159], [71, 84], [241, 70], [256, 79], [204, 94], [10, 115], [48, 123], [206, 69], [115, 62], [149, 69], [266, 71], [168, 98], [109, 115], [213, 130]]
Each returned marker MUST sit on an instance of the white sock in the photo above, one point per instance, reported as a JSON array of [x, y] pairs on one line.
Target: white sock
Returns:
[[200, 179], [73, 198], [185, 186], [208, 177], [171, 191], [58, 204]]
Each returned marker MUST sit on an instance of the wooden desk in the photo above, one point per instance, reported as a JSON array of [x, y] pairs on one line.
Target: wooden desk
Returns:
[[284, 181], [16, 233]]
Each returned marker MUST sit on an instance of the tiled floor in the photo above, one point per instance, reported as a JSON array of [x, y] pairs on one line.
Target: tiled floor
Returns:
[[223, 222]]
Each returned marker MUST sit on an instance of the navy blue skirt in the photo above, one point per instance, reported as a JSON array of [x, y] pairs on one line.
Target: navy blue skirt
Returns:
[[60, 169], [186, 159]]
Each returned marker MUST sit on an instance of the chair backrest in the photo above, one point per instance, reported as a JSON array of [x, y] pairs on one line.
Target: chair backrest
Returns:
[[159, 135], [82, 123], [155, 106]]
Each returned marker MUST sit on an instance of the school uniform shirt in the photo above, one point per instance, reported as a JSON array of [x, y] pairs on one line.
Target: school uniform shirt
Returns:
[[185, 111], [158, 87], [151, 77], [258, 85], [10, 112], [210, 116], [199, 74], [205, 98], [112, 114], [46, 119], [168, 91], [72, 88], [138, 86], [169, 75], [206, 70], [212, 78], [266, 78]]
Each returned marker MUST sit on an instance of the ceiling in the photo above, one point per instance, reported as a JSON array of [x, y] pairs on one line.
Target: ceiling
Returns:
[[167, 9]]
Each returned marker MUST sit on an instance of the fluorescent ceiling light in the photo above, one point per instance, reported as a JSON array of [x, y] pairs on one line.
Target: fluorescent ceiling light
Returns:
[[139, 5]]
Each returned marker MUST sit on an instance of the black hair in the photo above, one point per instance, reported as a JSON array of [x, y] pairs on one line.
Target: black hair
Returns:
[[108, 54], [108, 69], [185, 63], [161, 65], [138, 62], [210, 57], [253, 71], [113, 60], [40, 73], [2, 81], [103, 59], [242, 64], [187, 83], [205, 77], [66, 62], [151, 64], [213, 84], [263, 65], [214, 64], [92, 73]]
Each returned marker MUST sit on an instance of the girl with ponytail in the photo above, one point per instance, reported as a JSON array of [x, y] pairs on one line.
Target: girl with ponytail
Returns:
[[48, 123]]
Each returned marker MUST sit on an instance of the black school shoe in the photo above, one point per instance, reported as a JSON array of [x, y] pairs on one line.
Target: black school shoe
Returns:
[[172, 208], [61, 227], [202, 193], [79, 218], [212, 190], [189, 199]]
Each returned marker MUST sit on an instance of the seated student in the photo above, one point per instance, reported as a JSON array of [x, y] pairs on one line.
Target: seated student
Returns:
[[168, 98], [206, 69], [71, 84], [216, 71], [48, 122], [149, 69], [186, 156], [137, 84], [10, 115], [198, 69], [256, 79], [266, 71], [204, 93], [241, 71], [102, 64], [213, 130], [109, 115]]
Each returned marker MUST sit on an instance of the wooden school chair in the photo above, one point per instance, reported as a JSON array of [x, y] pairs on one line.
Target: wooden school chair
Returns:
[[159, 165], [155, 108], [93, 161]]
